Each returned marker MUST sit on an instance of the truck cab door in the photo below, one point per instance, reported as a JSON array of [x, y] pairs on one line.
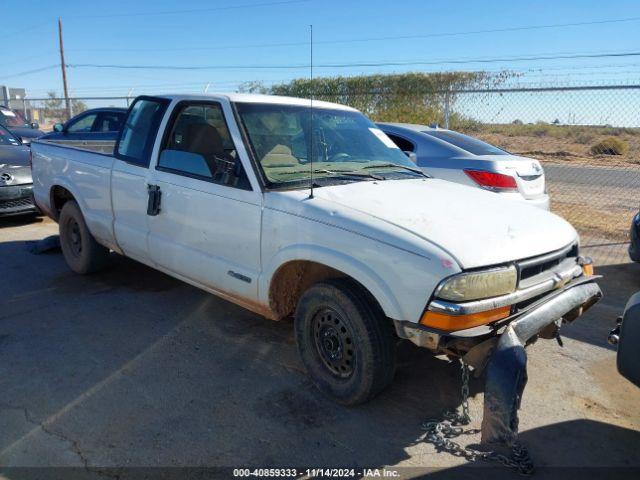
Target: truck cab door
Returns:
[[129, 177], [206, 228]]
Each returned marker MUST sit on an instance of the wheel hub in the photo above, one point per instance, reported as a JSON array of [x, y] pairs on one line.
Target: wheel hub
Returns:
[[334, 342], [75, 238]]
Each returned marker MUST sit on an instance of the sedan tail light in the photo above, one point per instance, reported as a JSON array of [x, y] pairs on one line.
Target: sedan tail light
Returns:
[[498, 182]]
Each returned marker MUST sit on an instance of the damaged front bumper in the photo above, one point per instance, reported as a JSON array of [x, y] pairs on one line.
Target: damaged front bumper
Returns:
[[506, 361], [500, 349]]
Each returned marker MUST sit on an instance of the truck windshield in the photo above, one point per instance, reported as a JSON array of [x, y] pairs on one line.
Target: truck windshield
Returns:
[[10, 118], [344, 144]]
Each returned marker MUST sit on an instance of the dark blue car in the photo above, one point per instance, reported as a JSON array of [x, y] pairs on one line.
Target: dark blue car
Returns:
[[97, 124], [15, 122], [634, 233]]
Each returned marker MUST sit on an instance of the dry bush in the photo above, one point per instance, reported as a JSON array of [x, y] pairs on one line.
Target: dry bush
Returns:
[[610, 146]]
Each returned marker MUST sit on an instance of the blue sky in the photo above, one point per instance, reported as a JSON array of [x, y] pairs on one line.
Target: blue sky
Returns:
[[161, 32]]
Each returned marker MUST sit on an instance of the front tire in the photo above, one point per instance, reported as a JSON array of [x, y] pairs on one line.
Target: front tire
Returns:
[[345, 341], [81, 251]]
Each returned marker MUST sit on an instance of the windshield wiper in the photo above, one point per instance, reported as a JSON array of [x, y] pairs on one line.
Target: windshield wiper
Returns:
[[343, 173], [395, 165], [351, 173]]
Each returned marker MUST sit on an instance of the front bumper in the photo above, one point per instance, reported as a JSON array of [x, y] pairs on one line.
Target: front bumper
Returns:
[[461, 341], [16, 199], [500, 349], [506, 361]]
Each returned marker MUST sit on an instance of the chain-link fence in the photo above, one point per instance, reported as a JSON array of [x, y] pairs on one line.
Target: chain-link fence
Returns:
[[588, 139]]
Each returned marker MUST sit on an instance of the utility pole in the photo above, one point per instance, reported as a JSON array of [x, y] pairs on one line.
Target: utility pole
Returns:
[[64, 71]]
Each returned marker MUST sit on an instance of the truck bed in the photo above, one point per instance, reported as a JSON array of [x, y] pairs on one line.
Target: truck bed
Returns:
[[85, 173]]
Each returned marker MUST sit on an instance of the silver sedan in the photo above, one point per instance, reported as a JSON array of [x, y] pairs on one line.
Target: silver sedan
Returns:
[[463, 159], [16, 185]]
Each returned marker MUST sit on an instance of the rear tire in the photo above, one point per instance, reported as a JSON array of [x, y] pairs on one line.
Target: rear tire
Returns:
[[81, 251], [345, 341]]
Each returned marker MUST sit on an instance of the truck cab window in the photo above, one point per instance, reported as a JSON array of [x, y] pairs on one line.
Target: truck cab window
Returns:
[[199, 145], [139, 130]]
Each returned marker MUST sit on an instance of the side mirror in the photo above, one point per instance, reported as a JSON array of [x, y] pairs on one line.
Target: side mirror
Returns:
[[34, 125], [58, 127], [412, 156]]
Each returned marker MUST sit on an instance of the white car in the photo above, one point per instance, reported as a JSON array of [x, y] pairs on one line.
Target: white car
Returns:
[[463, 159], [357, 245]]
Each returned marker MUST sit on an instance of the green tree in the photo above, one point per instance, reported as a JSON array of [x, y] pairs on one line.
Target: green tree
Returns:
[[253, 86], [53, 105], [407, 97], [77, 106]]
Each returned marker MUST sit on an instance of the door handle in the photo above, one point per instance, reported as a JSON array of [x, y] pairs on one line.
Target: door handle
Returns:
[[153, 204]]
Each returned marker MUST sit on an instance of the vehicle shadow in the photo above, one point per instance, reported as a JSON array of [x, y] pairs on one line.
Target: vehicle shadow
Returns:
[[132, 367], [19, 220], [567, 450]]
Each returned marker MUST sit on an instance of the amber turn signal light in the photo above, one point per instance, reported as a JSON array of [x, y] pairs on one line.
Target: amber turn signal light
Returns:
[[587, 266], [443, 321]]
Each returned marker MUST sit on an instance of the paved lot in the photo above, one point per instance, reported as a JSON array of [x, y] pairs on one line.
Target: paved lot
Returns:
[[133, 368]]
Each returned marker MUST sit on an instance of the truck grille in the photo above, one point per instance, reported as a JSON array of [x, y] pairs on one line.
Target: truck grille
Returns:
[[531, 269]]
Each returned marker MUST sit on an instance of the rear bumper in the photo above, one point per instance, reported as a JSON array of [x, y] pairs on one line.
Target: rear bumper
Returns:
[[541, 202], [16, 200]]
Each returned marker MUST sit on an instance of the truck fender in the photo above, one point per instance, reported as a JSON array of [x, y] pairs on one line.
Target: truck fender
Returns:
[[338, 261], [63, 182]]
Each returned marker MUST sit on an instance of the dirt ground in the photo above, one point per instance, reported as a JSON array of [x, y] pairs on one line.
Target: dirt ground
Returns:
[[131, 368], [563, 143]]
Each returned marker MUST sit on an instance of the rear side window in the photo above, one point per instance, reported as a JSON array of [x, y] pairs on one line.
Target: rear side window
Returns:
[[108, 122], [402, 143], [139, 130], [470, 144]]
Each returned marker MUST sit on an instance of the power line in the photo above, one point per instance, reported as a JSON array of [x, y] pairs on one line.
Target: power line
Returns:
[[27, 59], [368, 39], [29, 72], [22, 31], [194, 10], [355, 64]]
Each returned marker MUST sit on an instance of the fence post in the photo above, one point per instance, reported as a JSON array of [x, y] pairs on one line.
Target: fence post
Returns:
[[447, 107]]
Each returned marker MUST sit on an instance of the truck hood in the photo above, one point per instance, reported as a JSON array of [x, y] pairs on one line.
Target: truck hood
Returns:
[[476, 227]]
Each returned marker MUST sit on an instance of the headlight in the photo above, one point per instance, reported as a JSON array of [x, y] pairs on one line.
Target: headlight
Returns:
[[477, 285]]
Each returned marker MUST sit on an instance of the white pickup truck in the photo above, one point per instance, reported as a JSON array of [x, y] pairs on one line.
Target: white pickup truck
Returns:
[[308, 210]]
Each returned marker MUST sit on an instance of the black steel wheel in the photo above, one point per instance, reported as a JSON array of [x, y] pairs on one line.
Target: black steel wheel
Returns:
[[334, 342], [81, 251], [345, 341]]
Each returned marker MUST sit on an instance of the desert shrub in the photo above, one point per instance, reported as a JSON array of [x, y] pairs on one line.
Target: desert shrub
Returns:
[[610, 146], [583, 138]]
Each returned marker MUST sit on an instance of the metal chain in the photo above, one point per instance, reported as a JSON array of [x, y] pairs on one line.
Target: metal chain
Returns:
[[440, 434]]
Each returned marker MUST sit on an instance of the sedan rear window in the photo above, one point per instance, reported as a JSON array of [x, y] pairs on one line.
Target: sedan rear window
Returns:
[[11, 118], [470, 144]]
